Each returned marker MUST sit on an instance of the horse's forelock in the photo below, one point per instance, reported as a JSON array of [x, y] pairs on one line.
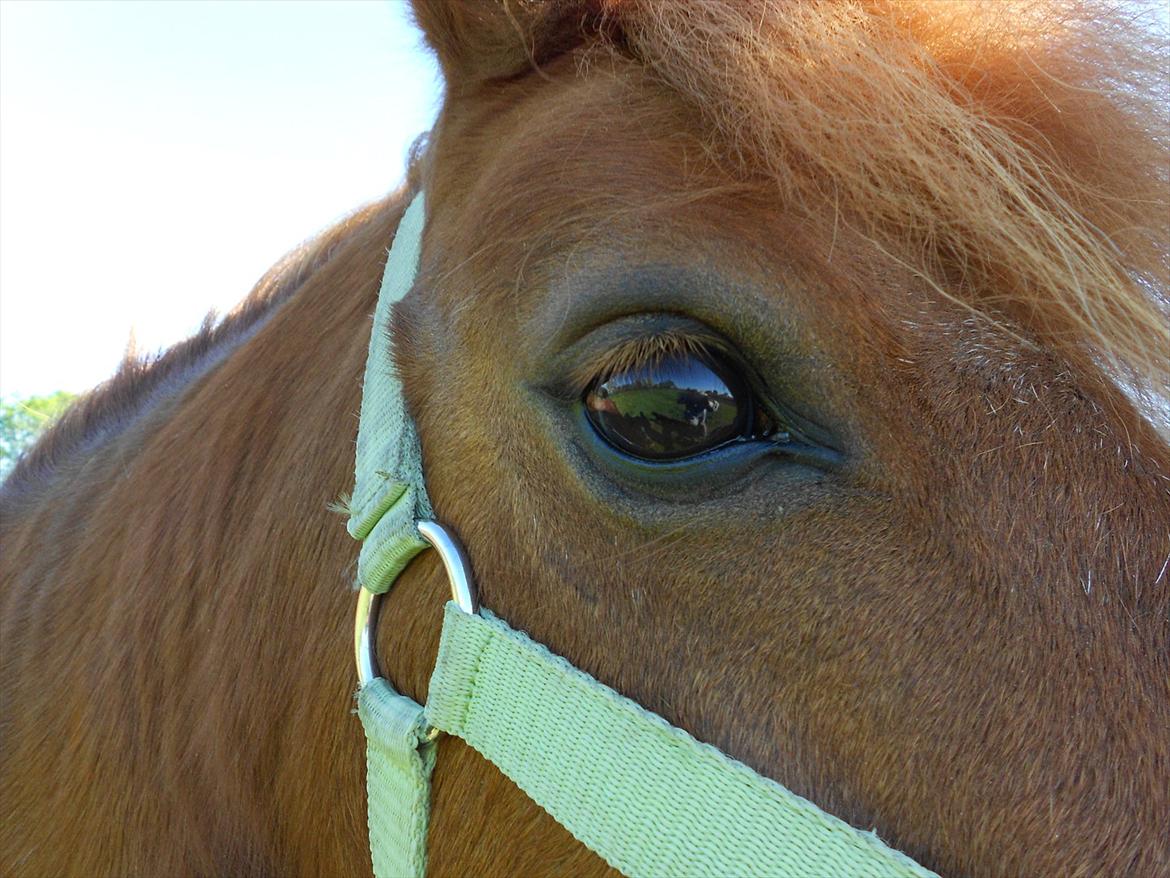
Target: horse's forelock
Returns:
[[1014, 148]]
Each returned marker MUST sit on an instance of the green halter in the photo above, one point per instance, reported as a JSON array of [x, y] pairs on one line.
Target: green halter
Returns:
[[646, 796]]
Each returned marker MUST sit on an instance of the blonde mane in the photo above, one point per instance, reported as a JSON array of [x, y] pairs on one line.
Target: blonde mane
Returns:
[[1018, 148]]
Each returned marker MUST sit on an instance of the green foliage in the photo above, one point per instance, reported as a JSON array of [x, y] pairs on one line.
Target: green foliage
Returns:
[[23, 420]]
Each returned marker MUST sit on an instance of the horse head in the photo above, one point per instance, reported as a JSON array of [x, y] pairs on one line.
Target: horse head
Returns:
[[912, 566], [931, 610]]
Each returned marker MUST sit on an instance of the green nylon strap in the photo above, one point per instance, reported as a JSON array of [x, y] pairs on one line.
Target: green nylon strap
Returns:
[[644, 795], [398, 780], [389, 494], [389, 498]]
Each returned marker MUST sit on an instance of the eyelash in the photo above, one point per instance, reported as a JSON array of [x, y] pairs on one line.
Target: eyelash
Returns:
[[644, 352]]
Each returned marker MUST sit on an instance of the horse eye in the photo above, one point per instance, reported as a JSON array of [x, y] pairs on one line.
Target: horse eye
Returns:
[[676, 408]]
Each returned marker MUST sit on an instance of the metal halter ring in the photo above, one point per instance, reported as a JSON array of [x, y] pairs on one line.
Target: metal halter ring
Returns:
[[365, 641]]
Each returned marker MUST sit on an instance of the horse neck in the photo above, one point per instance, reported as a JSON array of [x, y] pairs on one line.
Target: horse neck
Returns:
[[223, 636]]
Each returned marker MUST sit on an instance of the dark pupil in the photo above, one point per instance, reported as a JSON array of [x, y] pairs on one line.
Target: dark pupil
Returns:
[[677, 408]]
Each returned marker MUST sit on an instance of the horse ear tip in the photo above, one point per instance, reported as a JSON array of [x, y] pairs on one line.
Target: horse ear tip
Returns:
[[492, 39]]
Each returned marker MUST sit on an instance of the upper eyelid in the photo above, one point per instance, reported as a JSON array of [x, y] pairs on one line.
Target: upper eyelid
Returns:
[[643, 351]]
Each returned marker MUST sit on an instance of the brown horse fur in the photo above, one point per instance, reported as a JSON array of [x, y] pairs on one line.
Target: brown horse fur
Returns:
[[934, 230]]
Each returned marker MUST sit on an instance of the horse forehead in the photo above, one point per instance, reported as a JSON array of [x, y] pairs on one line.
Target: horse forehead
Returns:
[[612, 168]]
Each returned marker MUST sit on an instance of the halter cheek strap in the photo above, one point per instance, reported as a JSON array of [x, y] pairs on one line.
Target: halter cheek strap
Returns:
[[389, 493], [644, 795], [389, 497]]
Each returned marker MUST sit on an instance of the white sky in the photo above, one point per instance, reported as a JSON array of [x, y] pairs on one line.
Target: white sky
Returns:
[[157, 158]]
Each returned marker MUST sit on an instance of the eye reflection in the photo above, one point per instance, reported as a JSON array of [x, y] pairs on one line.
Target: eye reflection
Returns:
[[678, 407]]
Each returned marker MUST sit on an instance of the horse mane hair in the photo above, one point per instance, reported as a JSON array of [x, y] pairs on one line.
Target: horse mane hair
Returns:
[[1018, 149]]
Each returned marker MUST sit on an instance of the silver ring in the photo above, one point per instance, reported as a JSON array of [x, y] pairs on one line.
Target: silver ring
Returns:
[[458, 569]]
